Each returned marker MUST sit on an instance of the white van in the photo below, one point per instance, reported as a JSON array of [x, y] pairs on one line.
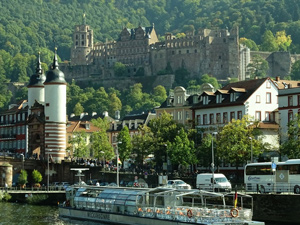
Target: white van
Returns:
[[221, 184]]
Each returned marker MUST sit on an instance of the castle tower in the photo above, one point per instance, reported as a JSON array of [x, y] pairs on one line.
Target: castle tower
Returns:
[[55, 112], [83, 43], [35, 87]]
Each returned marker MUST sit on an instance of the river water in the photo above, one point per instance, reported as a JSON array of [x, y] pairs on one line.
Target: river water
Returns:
[[24, 214]]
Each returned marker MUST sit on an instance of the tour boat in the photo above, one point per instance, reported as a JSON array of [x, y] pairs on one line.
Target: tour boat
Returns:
[[151, 206]]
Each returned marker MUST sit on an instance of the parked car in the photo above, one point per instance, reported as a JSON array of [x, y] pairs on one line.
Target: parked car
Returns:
[[178, 184], [64, 185]]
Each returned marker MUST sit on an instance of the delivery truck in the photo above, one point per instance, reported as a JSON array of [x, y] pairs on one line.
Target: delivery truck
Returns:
[[204, 181]]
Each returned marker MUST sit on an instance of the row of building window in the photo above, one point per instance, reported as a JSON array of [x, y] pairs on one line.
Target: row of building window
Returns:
[[13, 118], [13, 130], [17, 144], [219, 118]]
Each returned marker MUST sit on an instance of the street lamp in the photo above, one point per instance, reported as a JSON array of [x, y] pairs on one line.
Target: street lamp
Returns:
[[213, 161], [118, 162], [48, 172], [251, 150], [22, 157]]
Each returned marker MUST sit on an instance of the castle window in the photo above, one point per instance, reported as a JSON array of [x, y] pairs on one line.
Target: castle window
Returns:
[[82, 36], [179, 52], [220, 57], [47, 117], [195, 50], [76, 43], [82, 43], [173, 52], [47, 104], [187, 51], [76, 37]]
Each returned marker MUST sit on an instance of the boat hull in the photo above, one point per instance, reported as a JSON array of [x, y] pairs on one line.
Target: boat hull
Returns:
[[115, 218]]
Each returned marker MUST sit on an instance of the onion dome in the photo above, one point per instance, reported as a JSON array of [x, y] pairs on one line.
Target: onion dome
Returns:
[[54, 75], [38, 78]]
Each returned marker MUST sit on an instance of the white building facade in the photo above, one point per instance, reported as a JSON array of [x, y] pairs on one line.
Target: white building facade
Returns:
[[255, 98], [289, 106]]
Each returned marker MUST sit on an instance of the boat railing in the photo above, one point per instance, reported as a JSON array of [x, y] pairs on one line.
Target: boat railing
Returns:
[[194, 214]]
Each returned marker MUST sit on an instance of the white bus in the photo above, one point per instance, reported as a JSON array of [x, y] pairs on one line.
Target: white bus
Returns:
[[260, 177]]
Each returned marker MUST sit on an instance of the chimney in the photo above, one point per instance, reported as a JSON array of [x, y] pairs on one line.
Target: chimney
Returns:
[[117, 115], [105, 114], [82, 115], [135, 124], [278, 78]]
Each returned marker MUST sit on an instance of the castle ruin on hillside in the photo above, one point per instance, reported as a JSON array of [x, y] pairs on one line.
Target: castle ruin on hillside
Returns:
[[215, 52]]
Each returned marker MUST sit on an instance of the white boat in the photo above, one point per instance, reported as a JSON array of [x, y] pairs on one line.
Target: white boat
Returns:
[[151, 206]]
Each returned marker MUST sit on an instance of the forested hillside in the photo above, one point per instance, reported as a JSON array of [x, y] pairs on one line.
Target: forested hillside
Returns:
[[30, 26]]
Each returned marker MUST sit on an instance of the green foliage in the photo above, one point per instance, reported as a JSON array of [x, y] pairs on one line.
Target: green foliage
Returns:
[[37, 199], [205, 78], [269, 42], [234, 144], [295, 72], [249, 43], [101, 146], [164, 130], [22, 179], [124, 144], [258, 67], [119, 69], [142, 144], [78, 144], [181, 150], [36, 176], [78, 109], [4, 196], [291, 147]]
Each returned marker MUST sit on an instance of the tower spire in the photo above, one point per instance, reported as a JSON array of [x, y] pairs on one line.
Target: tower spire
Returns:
[[39, 65], [55, 63], [84, 20]]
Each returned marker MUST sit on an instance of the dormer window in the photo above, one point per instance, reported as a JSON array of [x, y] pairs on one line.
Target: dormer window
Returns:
[[179, 99], [205, 100], [195, 99], [233, 97], [219, 98]]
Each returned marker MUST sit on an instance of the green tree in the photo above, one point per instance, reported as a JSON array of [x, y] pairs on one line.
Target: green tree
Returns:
[[78, 144], [205, 78], [249, 43], [22, 179], [101, 146], [283, 41], [78, 109], [124, 144], [115, 104], [204, 151], [181, 150], [258, 67], [269, 42], [295, 72], [164, 129], [36, 176], [119, 69], [142, 144], [234, 143], [159, 94], [291, 147]]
